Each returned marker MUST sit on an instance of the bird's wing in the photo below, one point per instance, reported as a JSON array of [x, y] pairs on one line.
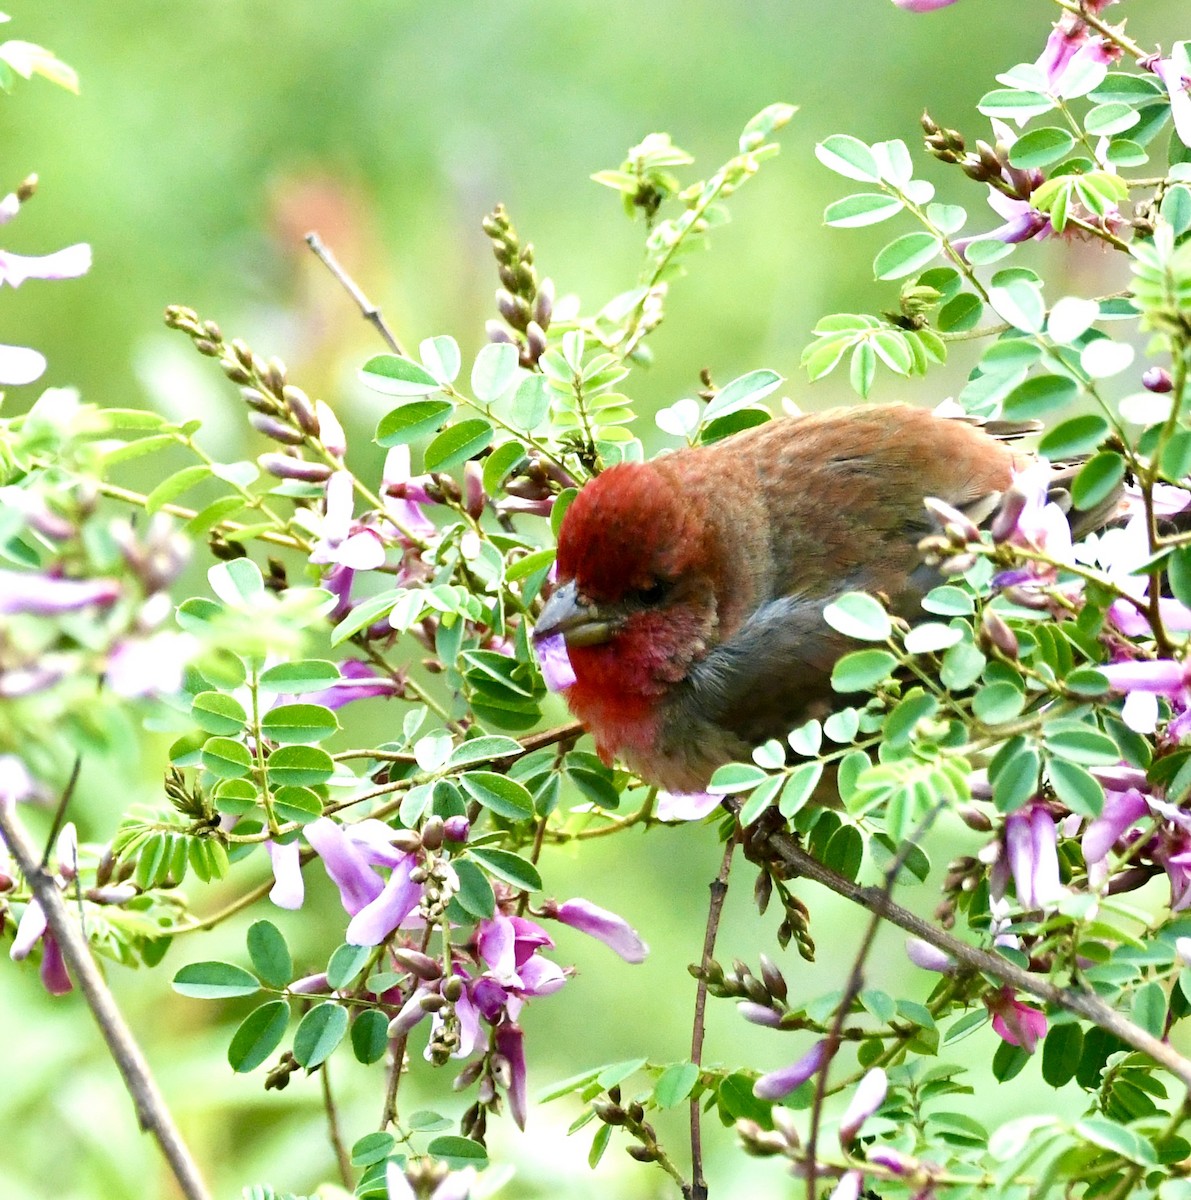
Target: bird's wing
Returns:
[[770, 676]]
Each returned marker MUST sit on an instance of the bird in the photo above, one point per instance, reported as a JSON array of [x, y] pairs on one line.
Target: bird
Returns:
[[690, 588]]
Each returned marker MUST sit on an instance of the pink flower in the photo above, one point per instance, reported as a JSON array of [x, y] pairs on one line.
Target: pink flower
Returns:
[[395, 901], [361, 550], [615, 932], [1017, 1023], [557, 672], [866, 1099], [510, 1043], [20, 364], [686, 806], [288, 889], [47, 595], [782, 1082], [1032, 855], [68, 263], [1175, 73], [921, 6]]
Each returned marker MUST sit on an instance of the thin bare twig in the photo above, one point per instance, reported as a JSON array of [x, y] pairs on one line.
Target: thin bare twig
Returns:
[[342, 1157], [151, 1111], [369, 310], [697, 1188], [1083, 1003]]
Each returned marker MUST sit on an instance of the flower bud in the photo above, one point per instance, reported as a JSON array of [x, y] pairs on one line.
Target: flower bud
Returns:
[[543, 304], [283, 466], [433, 832], [496, 332], [995, 633], [277, 430], [1156, 379], [456, 829], [535, 341], [421, 965], [302, 409]]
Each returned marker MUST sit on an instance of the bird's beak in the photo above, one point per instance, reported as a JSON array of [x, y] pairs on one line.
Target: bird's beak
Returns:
[[580, 624]]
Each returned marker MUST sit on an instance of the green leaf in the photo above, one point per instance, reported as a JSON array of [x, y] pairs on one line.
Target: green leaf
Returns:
[[848, 156], [258, 1035], [269, 953], [238, 582], [372, 1147], [1116, 1139], [298, 804], [1077, 742], [1012, 103], [1113, 117], [226, 759], [299, 723], [457, 443], [345, 964], [397, 376], [1039, 396], [217, 712], [512, 868], [1019, 302], [215, 981], [500, 794], [857, 615], [905, 255], [862, 670], [440, 355], [494, 370], [960, 313], [319, 1032], [741, 392], [408, 422], [475, 894], [370, 1036], [946, 600], [483, 749], [1078, 790], [302, 675], [761, 798], [845, 851], [500, 464], [1041, 147], [931, 637], [1072, 438], [1016, 781], [799, 787], [173, 486], [675, 1084], [863, 208], [735, 777], [299, 766], [1098, 478], [1149, 1008], [599, 1143], [1061, 1052], [531, 403], [458, 1151], [917, 705]]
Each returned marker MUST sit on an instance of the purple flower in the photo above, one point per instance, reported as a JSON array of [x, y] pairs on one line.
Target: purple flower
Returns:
[[359, 682], [361, 550], [47, 595], [1017, 1023], [1032, 854], [929, 958], [32, 927], [1121, 809], [396, 900], [68, 263], [686, 806], [921, 6], [867, 1098], [782, 1082], [615, 932], [288, 889], [510, 1042], [1175, 73], [404, 495], [15, 783], [330, 431], [1161, 676], [151, 666], [1021, 222], [848, 1187], [347, 866], [557, 671], [456, 829], [20, 364]]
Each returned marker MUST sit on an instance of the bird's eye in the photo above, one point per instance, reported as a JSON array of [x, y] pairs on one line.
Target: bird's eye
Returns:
[[655, 593]]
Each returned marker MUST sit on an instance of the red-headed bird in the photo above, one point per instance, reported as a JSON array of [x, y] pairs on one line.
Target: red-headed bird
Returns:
[[691, 588]]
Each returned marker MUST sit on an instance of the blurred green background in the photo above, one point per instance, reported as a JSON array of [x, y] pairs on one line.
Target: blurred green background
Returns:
[[206, 141]]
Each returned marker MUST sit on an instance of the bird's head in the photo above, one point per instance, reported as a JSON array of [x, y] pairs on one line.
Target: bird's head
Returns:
[[636, 593]]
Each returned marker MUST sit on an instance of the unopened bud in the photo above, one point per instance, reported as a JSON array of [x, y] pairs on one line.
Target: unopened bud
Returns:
[[473, 489], [775, 981], [419, 964], [211, 330], [645, 1154], [274, 375], [1157, 379], [497, 332], [257, 400], [209, 348], [543, 303], [452, 989], [535, 341], [277, 430], [283, 466], [958, 526], [234, 370], [432, 1002], [456, 829], [242, 351], [433, 832], [995, 633], [26, 188], [300, 405], [975, 818], [514, 309]]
